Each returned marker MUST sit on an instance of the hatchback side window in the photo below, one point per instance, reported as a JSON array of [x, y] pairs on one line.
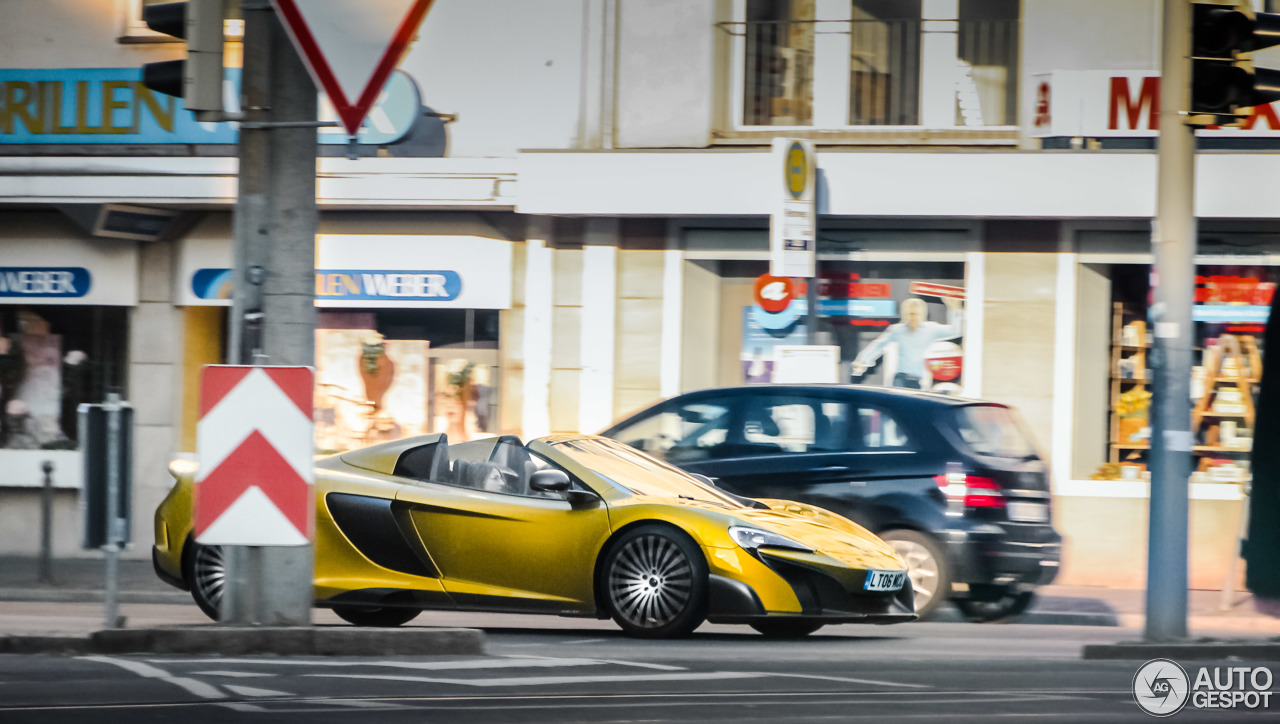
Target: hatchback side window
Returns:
[[878, 430], [686, 433], [794, 424]]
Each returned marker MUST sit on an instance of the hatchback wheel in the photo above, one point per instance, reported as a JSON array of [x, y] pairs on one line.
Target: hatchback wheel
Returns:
[[655, 583], [1004, 605], [926, 567], [207, 575]]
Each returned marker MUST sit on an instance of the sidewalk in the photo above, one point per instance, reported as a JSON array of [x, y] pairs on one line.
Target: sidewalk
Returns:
[[83, 580]]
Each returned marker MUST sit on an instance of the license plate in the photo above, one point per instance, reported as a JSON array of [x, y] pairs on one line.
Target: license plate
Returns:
[[885, 580], [1028, 512]]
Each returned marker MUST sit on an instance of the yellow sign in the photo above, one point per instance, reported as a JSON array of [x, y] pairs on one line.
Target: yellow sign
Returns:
[[796, 170]]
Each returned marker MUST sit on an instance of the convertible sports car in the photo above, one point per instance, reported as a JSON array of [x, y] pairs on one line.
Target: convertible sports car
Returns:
[[574, 525]]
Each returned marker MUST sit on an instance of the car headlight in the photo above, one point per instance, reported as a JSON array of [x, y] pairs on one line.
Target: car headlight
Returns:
[[753, 538]]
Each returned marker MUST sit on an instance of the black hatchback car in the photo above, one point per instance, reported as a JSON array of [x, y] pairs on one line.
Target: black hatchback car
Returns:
[[954, 485]]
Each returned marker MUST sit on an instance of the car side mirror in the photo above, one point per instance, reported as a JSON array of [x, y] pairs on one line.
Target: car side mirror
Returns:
[[549, 481]]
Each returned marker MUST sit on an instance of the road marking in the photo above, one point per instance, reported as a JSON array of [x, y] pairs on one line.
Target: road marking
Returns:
[[232, 673], [242, 706], [640, 664], [849, 680], [511, 662], [554, 680], [253, 691], [580, 641], [199, 688]]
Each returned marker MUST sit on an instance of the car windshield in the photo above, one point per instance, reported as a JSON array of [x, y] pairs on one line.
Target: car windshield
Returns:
[[993, 430], [635, 471]]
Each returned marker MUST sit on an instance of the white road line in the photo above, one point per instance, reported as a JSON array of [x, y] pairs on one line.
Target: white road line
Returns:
[[554, 680], [512, 662], [233, 673], [580, 641], [199, 688], [242, 706], [254, 691], [849, 680], [639, 664]]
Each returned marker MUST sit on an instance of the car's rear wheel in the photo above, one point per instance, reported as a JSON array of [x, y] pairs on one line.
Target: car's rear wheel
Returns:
[[206, 568], [989, 606], [785, 629], [380, 616], [926, 567], [655, 582]]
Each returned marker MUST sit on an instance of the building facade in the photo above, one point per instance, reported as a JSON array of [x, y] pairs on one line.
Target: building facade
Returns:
[[560, 208]]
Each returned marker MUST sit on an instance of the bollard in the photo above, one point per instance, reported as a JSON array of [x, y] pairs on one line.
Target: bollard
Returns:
[[46, 524]]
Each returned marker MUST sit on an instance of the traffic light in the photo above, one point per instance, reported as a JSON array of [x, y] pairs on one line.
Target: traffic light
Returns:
[[198, 79], [1223, 80]]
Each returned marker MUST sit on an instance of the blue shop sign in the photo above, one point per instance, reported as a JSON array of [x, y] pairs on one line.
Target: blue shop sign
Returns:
[[44, 282], [352, 284], [110, 105]]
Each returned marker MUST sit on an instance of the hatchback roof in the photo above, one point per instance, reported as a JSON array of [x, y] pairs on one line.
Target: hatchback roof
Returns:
[[870, 391]]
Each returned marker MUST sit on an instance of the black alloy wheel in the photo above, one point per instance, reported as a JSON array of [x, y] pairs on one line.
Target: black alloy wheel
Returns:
[[655, 583], [927, 568], [994, 604], [206, 569], [379, 616], [785, 628]]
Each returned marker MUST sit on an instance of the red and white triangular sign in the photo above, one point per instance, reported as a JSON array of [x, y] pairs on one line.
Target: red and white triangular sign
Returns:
[[351, 46]]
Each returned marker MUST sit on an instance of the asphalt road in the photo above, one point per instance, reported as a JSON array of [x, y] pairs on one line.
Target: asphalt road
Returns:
[[566, 671]]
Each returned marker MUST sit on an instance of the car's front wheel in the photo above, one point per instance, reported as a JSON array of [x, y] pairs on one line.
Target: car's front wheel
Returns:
[[655, 582], [786, 629], [926, 567], [379, 616], [206, 568]]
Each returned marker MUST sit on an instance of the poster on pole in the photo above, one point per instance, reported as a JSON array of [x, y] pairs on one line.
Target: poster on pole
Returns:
[[793, 218]]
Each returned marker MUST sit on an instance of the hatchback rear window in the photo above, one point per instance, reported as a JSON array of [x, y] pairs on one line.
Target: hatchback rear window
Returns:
[[991, 430]]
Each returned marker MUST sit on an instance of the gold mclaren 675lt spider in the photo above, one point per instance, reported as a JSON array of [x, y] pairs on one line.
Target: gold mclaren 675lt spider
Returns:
[[573, 525]]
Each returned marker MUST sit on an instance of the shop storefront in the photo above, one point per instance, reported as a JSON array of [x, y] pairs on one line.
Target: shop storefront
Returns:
[[407, 337], [64, 334]]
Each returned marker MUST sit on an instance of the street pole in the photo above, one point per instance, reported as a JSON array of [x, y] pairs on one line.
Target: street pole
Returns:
[[1173, 242], [273, 309]]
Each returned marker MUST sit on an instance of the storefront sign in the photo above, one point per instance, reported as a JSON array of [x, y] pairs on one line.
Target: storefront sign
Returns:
[[110, 105], [35, 283], [68, 270], [373, 270], [1103, 103], [793, 222]]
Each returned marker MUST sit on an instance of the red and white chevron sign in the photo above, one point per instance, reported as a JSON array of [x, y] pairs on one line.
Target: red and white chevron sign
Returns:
[[255, 441]]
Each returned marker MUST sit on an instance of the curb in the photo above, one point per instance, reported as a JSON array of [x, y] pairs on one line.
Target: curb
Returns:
[[79, 595], [1202, 650], [283, 640]]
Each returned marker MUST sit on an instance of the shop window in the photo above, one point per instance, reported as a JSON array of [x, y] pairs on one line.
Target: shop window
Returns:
[[897, 324], [392, 373], [52, 359], [1229, 314]]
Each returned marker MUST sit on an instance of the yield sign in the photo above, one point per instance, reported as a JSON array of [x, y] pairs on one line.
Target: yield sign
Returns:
[[351, 46], [255, 441]]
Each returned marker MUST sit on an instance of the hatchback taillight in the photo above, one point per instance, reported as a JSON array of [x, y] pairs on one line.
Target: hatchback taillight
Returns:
[[971, 491]]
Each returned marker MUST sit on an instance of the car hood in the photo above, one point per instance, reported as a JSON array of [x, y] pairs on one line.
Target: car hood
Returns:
[[823, 531]]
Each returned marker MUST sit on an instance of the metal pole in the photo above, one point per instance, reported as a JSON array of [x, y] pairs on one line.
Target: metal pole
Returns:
[[112, 546], [46, 523], [1173, 242], [273, 313]]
